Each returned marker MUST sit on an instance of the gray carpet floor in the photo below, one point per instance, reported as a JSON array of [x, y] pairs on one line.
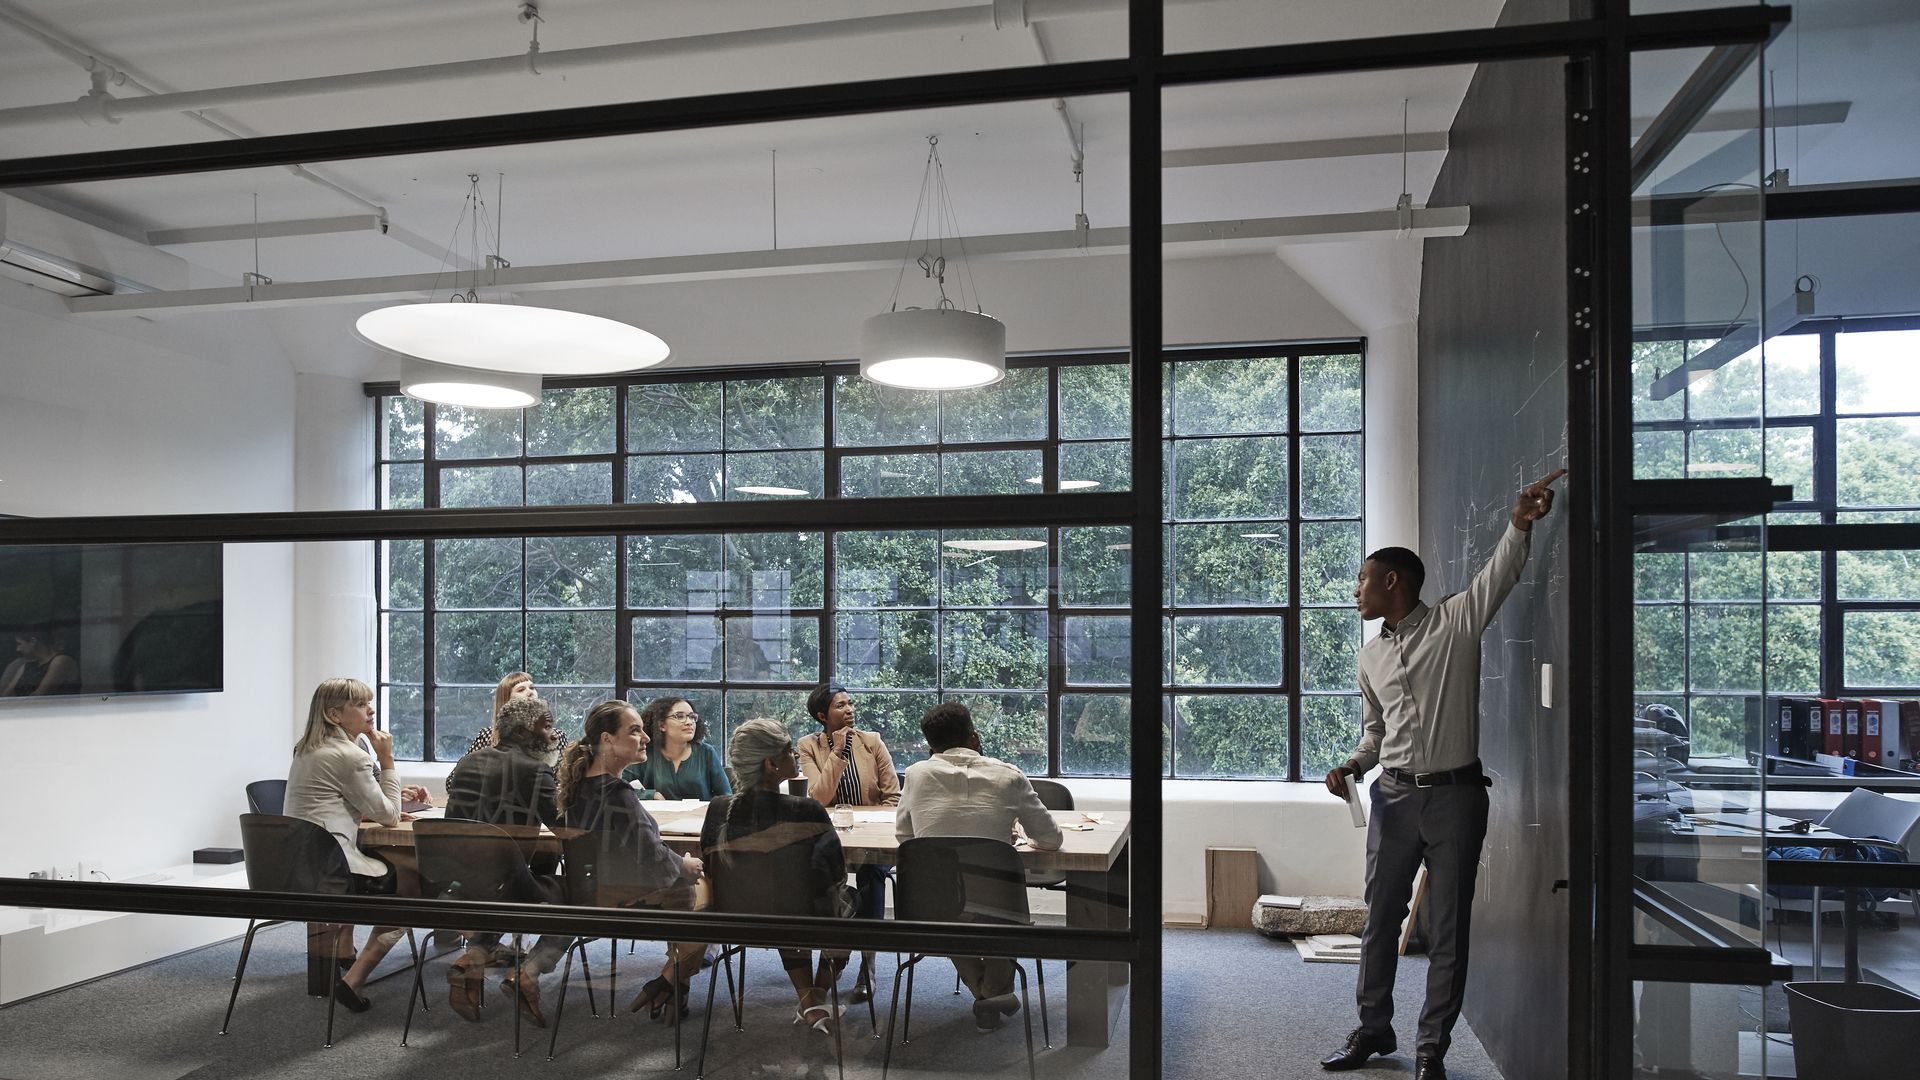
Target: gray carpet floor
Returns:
[[1237, 1005]]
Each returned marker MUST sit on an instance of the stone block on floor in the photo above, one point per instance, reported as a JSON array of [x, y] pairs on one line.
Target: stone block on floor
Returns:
[[1315, 915]]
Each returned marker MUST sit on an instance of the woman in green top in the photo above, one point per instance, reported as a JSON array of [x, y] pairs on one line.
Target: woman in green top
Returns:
[[681, 765]]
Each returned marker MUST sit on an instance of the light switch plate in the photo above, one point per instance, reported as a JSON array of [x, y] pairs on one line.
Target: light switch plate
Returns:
[[1546, 686]]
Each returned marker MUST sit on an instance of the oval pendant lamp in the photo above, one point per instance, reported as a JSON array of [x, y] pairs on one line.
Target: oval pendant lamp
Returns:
[[485, 355]]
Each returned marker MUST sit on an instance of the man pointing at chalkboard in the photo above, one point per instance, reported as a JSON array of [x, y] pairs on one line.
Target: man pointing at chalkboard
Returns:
[[1420, 703]]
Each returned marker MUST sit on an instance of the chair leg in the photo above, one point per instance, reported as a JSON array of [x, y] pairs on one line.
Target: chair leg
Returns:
[[586, 976], [1027, 1014], [613, 973], [706, 1026], [332, 982], [418, 952], [906, 1022], [560, 1010], [893, 1007], [873, 1020], [419, 961], [519, 962], [740, 999], [839, 1047], [956, 982], [1040, 970], [238, 973]]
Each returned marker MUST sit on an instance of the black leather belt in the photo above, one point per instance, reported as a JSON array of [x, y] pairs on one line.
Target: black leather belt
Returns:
[[1465, 774]]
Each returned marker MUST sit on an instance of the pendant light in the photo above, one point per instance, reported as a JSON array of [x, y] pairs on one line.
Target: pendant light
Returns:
[[945, 347], [490, 355]]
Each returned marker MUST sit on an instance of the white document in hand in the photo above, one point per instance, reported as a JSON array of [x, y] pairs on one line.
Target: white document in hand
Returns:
[[1353, 803]]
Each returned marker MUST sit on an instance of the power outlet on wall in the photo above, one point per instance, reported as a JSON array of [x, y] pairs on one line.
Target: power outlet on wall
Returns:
[[68, 872], [91, 870]]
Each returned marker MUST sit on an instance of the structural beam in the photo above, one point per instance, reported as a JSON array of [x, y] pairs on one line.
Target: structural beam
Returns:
[[1189, 238], [1420, 142], [1689, 106]]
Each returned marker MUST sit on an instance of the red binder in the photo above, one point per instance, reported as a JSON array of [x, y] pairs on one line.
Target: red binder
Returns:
[[1850, 731], [1832, 741], [1872, 728]]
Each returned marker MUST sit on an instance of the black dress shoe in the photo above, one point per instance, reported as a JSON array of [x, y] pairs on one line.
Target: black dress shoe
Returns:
[[1360, 1046], [344, 994], [1427, 1067]]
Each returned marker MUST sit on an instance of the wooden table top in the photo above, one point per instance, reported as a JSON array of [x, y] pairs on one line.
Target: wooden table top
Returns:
[[1095, 849]]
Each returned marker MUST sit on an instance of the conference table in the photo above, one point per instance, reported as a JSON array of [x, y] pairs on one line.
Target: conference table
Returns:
[[1092, 856]]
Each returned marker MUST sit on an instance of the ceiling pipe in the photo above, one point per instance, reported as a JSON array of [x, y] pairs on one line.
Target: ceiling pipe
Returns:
[[103, 107]]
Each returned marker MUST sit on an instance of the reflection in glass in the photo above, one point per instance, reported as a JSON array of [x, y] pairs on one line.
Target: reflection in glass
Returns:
[[573, 483], [993, 649], [884, 648], [1229, 650], [1099, 650], [990, 472], [1229, 478], [1095, 402], [1724, 647], [1881, 648], [984, 568], [475, 433], [675, 416], [1230, 735], [483, 573], [870, 414], [882, 569], [1242, 563], [1011, 410], [496, 485], [884, 476], [673, 478], [1234, 396], [775, 571], [1096, 466], [676, 647], [574, 421], [776, 414], [776, 476], [672, 571], [1096, 566]]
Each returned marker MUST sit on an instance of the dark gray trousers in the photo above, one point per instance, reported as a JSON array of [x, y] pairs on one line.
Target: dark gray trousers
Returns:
[[1443, 826]]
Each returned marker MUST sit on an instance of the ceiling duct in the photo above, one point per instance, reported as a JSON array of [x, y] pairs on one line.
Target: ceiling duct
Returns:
[[57, 253]]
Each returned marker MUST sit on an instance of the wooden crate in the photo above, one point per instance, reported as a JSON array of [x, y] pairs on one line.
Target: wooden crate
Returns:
[[1233, 884]]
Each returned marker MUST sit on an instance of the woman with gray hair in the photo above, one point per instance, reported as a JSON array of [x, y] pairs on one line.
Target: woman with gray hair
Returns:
[[742, 830]]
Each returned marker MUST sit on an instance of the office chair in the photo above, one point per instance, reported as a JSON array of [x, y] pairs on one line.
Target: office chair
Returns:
[[969, 879], [267, 797]]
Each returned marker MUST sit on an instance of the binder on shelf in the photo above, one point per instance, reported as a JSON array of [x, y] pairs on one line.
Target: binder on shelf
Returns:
[[1872, 747], [1850, 731], [1831, 741], [1792, 737]]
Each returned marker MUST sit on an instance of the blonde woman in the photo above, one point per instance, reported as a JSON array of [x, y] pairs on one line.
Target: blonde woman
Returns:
[[333, 783], [635, 869]]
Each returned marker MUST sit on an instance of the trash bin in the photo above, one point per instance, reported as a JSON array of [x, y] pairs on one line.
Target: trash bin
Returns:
[[1849, 1031]]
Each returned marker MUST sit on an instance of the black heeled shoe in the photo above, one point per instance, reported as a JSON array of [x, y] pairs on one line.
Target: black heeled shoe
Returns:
[[653, 997], [346, 996]]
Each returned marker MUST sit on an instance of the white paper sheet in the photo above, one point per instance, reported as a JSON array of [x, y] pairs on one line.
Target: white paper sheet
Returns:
[[875, 815], [1353, 803]]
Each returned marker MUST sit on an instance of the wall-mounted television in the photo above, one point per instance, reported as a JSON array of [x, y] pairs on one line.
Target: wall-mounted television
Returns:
[[102, 619]]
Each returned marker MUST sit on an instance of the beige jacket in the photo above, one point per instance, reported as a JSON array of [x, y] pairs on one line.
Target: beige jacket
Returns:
[[879, 786]]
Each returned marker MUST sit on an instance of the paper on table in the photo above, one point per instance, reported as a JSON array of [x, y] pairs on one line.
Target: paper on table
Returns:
[[686, 826], [1353, 802], [874, 815], [431, 813], [1077, 826]]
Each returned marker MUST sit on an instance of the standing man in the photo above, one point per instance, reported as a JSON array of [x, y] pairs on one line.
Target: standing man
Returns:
[[1420, 702]]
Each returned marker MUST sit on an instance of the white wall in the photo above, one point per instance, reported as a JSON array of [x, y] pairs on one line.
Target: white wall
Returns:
[[138, 417], [334, 606]]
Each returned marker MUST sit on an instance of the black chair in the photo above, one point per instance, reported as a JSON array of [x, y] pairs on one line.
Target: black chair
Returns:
[[760, 881], [267, 797], [472, 860], [969, 879], [291, 855]]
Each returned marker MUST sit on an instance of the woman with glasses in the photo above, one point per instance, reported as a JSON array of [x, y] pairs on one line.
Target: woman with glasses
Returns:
[[681, 765]]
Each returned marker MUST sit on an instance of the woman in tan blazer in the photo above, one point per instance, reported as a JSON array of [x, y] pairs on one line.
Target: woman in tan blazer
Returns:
[[845, 765]]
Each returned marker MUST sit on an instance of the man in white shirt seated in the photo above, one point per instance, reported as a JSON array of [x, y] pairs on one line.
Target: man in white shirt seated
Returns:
[[958, 791]]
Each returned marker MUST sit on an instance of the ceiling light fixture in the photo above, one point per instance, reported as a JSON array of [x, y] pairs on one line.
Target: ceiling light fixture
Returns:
[[945, 347], [1068, 485], [755, 489], [994, 545], [493, 355]]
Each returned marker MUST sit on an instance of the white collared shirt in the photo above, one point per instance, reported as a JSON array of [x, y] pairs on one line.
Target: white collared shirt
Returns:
[[960, 792], [1420, 681]]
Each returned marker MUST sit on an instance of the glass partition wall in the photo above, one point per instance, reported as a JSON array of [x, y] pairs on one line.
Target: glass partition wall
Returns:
[[507, 542]]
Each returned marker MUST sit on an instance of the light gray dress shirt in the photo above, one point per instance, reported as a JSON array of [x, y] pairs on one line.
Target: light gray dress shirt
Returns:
[[963, 793], [1420, 681], [333, 785]]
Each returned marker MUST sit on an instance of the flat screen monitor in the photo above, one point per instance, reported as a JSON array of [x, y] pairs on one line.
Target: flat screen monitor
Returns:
[[81, 621]]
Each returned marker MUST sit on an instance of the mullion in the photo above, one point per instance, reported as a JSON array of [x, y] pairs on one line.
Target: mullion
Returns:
[[1290, 635]]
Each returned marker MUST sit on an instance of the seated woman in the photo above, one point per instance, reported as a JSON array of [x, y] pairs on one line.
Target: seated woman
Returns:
[[510, 783], [847, 765], [680, 764], [43, 668], [333, 783], [761, 818], [514, 686], [635, 869]]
